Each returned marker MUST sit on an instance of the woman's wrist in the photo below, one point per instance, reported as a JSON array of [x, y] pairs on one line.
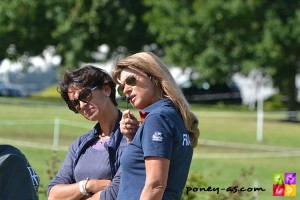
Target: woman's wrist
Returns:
[[83, 187]]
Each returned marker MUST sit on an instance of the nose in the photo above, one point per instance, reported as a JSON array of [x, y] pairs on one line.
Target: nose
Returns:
[[127, 89], [81, 104]]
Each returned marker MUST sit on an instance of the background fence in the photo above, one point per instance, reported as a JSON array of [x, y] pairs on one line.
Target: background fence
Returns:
[[227, 144]]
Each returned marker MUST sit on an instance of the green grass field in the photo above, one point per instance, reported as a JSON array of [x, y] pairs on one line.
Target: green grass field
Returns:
[[227, 144]]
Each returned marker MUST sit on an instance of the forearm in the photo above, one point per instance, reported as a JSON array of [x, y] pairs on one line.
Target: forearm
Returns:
[[72, 191], [96, 196], [93, 186], [157, 170], [152, 192], [65, 191]]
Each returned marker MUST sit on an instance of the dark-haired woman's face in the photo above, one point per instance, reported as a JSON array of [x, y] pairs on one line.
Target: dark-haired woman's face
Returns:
[[142, 94], [94, 107]]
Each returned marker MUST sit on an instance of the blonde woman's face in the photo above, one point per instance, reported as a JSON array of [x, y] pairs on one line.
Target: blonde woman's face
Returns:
[[142, 93]]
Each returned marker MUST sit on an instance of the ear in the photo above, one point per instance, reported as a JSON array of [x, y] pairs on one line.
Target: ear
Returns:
[[106, 89], [155, 81]]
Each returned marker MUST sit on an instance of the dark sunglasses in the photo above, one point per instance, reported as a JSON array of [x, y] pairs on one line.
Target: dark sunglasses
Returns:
[[85, 95], [130, 80]]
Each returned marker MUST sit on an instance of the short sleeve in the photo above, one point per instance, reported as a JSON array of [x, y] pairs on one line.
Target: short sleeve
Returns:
[[158, 135], [16, 177]]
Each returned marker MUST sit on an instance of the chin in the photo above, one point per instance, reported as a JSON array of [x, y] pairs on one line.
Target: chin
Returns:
[[90, 116], [135, 104], [139, 107], [92, 119]]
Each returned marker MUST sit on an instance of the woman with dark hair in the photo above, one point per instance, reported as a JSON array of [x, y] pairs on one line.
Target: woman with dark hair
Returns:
[[91, 167]]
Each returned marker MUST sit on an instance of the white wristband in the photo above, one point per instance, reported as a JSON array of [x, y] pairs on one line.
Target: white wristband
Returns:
[[82, 187]]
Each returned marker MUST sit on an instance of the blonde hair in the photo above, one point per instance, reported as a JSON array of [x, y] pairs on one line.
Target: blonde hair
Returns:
[[154, 67]]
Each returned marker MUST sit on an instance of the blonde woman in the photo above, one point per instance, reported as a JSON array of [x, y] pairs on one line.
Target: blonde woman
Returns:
[[156, 162]]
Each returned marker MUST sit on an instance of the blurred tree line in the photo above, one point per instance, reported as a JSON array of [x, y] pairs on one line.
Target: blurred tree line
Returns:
[[214, 37]]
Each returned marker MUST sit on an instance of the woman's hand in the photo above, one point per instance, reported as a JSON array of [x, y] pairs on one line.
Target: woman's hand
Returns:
[[93, 185], [129, 125]]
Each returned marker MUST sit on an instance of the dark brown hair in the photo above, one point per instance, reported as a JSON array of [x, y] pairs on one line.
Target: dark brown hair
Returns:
[[87, 76]]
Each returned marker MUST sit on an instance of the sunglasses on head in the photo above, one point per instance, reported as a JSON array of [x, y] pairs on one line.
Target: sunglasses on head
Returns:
[[85, 95], [130, 80]]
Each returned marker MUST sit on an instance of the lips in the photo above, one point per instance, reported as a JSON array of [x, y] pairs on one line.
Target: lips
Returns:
[[132, 97], [88, 110]]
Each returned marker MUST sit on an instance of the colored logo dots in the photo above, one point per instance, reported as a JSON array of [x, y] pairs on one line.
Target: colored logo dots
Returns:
[[284, 184]]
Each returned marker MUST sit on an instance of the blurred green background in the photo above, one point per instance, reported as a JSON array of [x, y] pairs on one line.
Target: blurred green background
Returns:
[[213, 39], [228, 153]]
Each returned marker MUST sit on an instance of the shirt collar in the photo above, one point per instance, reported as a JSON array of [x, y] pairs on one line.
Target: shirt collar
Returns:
[[143, 113]]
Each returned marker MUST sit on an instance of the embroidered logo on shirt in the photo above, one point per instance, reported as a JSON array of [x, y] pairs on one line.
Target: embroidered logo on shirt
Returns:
[[186, 140], [35, 178], [157, 136]]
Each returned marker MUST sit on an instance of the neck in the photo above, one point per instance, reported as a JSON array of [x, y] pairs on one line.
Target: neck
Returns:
[[158, 95], [108, 122]]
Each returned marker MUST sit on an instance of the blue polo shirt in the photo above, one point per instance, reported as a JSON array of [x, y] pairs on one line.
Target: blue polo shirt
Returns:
[[164, 135]]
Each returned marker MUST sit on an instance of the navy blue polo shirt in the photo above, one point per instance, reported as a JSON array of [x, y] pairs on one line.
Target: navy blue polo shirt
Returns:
[[162, 134]]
